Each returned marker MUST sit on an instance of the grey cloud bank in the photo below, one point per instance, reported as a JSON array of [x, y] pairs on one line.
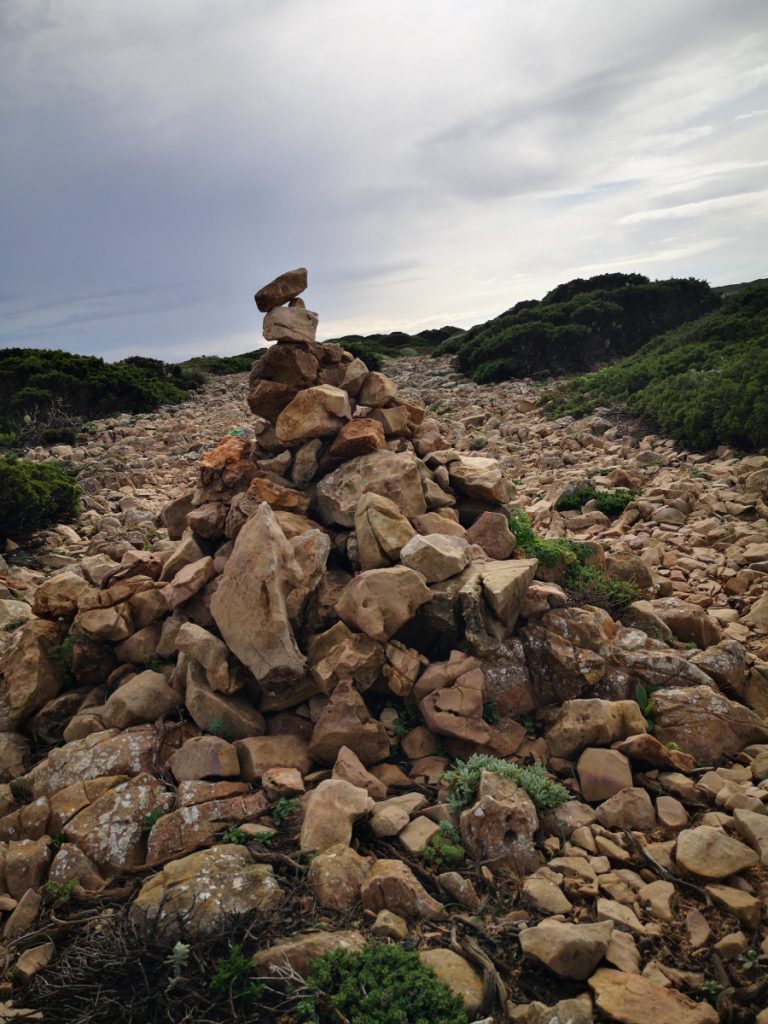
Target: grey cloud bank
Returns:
[[430, 162]]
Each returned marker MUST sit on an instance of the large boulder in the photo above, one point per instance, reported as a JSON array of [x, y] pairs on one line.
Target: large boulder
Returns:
[[379, 601], [390, 474], [319, 411], [30, 672], [285, 287], [250, 605], [704, 723], [199, 896]]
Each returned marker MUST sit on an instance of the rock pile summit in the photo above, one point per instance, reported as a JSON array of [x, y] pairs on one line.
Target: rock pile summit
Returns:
[[335, 681]]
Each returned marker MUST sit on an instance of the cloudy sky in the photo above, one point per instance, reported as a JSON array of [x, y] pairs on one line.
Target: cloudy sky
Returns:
[[429, 161]]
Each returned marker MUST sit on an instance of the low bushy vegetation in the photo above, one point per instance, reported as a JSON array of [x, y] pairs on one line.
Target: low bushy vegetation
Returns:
[[584, 583], [463, 781], [34, 495], [578, 326], [373, 349], [704, 383], [381, 984], [443, 851], [611, 503], [46, 395]]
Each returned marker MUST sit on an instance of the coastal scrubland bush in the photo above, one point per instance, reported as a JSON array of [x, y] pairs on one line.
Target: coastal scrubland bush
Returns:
[[34, 495], [578, 326], [704, 383]]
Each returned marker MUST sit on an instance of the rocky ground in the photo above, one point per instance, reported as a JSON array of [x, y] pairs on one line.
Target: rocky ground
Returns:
[[231, 691]]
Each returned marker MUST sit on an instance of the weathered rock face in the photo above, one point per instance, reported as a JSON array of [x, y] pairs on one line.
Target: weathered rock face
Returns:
[[330, 813], [319, 411], [284, 288], [591, 723], [31, 675], [250, 606], [379, 601], [635, 1000], [198, 896], [709, 853], [705, 723], [391, 475], [381, 531], [498, 830], [569, 950]]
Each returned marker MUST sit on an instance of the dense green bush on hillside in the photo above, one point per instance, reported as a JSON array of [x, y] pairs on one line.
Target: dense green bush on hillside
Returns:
[[704, 383], [53, 387], [373, 349], [220, 366], [34, 495], [578, 326]]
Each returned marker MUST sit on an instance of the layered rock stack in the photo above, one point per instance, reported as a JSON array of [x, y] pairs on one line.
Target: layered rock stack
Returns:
[[339, 611]]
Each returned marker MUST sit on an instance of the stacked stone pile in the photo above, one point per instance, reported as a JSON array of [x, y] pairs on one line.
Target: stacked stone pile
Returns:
[[339, 610]]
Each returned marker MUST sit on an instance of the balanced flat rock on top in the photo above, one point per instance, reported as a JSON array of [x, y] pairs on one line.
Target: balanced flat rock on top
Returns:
[[284, 288]]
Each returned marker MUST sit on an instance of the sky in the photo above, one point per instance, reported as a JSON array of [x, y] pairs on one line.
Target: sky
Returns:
[[430, 162]]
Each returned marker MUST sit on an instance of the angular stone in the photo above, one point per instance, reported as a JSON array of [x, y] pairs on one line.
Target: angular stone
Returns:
[[568, 950], [336, 875], [491, 531], [31, 675], [358, 437], [704, 723], [105, 753], [632, 999], [602, 773], [498, 831], [300, 953], [229, 715], [391, 475], [461, 977], [250, 604], [290, 324], [284, 288], [110, 831], [184, 829], [436, 556], [59, 597], [593, 723], [210, 652], [709, 853], [505, 585], [346, 722], [315, 412], [391, 885], [330, 812], [203, 894], [629, 808], [377, 390], [379, 601], [381, 531], [204, 757], [143, 699], [259, 753]]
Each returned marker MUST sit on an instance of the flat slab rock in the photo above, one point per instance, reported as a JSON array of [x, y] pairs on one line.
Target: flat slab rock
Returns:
[[632, 999]]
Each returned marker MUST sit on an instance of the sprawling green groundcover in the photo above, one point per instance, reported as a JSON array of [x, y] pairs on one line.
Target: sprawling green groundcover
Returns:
[[705, 383], [578, 326]]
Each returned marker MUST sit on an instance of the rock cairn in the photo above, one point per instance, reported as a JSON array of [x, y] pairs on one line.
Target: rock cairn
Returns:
[[339, 611]]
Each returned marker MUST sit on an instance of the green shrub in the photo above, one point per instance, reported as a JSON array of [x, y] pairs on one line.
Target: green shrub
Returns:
[[587, 585], [610, 503], [704, 383], [34, 495], [548, 552], [381, 984], [232, 978], [577, 326], [444, 850], [58, 435], [234, 835], [463, 781]]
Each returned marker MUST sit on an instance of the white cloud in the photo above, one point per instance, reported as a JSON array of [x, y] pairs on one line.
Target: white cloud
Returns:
[[429, 163]]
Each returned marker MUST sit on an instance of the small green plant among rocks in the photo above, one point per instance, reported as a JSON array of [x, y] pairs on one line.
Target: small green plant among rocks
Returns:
[[463, 781], [232, 978], [150, 820], [218, 727], [647, 705], [490, 713], [60, 893], [283, 810], [548, 552], [380, 984], [611, 503], [587, 585], [444, 850], [235, 836], [177, 960]]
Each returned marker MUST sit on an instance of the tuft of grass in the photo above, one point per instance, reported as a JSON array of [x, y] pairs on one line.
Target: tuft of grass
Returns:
[[587, 585], [610, 503], [463, 781]]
